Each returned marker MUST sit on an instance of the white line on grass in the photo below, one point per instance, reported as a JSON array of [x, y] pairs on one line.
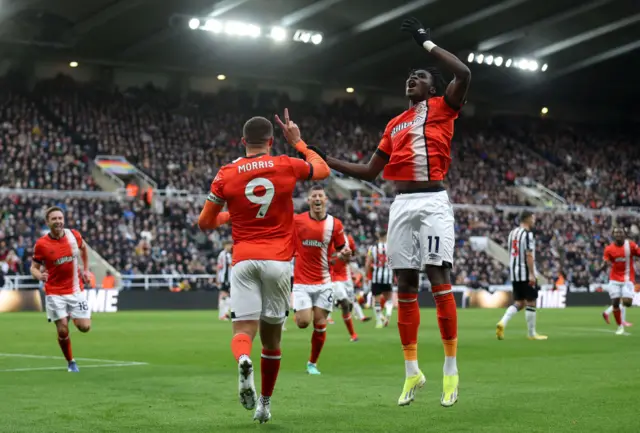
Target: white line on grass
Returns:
[[606, 331], [82, 366], [109, 361]]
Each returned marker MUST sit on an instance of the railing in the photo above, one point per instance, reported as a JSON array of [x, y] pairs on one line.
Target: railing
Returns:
[[129, 282], [100, 195]]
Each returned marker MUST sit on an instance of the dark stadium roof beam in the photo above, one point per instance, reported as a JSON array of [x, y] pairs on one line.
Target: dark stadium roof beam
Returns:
[[307, 12], [216, 10], [583, 37], [101, 17], [438, 32], [521, 32], [12, 9]]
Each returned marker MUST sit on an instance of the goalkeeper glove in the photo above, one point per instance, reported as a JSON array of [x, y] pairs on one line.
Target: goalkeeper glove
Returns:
[[417, 30]]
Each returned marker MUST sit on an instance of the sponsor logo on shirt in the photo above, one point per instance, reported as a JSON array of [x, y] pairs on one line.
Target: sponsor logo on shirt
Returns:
[[313, 243], [404, 125], [63, 260]]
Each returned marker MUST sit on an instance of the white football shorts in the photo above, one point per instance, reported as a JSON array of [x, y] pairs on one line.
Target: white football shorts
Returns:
[[343, 290], [421, 230], [61, 306], [306, 296], [620, 289], [260, 290]]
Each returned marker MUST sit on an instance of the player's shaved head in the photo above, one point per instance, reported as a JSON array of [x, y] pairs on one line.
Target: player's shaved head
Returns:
[[316, 188], [257, 131]]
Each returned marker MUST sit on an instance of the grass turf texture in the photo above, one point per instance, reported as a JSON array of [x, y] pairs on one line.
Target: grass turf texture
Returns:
[[583, 379]]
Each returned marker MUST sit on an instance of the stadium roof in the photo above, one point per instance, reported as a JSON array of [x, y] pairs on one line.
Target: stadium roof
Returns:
[[591, 46]]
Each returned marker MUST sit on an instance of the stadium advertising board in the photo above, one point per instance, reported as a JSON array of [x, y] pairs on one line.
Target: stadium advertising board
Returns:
[[100, 301]]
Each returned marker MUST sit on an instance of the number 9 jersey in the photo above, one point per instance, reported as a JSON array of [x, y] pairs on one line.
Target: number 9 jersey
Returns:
[[258, 191]]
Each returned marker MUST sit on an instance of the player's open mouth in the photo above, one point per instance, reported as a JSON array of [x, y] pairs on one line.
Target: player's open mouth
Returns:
[[412, 84]]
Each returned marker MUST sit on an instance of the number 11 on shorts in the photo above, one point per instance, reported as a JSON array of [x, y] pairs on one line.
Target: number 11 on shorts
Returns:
[[431, 239]]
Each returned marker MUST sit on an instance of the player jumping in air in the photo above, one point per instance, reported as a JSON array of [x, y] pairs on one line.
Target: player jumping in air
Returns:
[[55, 262], [343, 290], [317, 233], [622, 276], [415, 153], [258, 190]]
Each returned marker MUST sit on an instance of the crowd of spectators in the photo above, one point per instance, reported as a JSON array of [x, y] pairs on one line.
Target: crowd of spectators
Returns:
[[51, 134]]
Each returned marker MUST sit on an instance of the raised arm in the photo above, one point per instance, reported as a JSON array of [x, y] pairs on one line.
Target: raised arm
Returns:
[[456, 93], [367, 172], [211, 216]]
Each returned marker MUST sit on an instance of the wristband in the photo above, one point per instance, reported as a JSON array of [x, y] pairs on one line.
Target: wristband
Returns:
[[428, 45]]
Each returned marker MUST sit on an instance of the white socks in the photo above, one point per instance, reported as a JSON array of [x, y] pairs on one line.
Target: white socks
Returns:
[[378, 312], [411, 368], [530, 315], [450, 366], [389, 307], [223, 308], [511, 311]]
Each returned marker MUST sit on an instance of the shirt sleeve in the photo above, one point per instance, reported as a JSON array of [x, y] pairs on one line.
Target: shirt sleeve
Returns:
[[338, 238], [78, 237], [531, 242], [37, 254], [302, 170], [443, 109], [385, 147], [352, 243], [216, 194]]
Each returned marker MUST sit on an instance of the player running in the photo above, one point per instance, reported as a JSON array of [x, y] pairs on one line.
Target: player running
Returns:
[[343, 290], [415, 153], [317, 233], [381, 279], [223, 278], [622, 276], [258, 190], [57, 252]]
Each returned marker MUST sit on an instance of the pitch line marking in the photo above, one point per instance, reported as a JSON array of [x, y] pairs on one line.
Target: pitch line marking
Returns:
[[64, 368], [606, 331], [108, 361]]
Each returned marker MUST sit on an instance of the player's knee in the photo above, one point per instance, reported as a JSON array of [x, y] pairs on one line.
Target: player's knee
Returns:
[[302, 322], [84, 327], [408, 283], [63, 333], [627, 302]]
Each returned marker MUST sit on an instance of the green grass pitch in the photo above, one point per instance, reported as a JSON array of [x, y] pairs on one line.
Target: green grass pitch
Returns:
[[583, 379]]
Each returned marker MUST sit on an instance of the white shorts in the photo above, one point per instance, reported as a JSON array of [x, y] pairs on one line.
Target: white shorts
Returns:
[[421, 230], [306, 296], [61, 306], [260, 290], [343, 290], [620, 289]]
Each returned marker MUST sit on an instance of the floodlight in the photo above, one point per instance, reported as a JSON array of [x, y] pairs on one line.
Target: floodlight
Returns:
[[316, 39], [479, 58], [533, 65], [194, 23], [508, 64], [278, 34], [214, 26], [544, 67], [470, 58], [489, 59], [221, 77], [73, 64], [498, 61], [544, 110], [350, 89]]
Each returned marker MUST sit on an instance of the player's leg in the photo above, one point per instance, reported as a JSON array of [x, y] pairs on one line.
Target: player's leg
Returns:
[[341, 296], [531, 314], [78, 309], [56, 308], [518, 304], [276, 290], [246, 308], [377, 305], [224, 305], [403, 250], [323, 301], [388, 306], [606, 314]]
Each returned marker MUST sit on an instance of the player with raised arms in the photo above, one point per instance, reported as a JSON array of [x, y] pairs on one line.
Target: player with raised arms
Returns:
[[55, 262], [415, 154], [620, 254], [317, 234], [258, 191]]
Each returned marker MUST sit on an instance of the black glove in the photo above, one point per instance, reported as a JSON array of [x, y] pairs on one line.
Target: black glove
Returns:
[[319, 152], [417, 30]]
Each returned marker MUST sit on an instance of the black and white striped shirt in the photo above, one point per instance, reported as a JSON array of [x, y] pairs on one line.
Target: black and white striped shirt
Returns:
[[521, 242], [224, 268], [382, 273]]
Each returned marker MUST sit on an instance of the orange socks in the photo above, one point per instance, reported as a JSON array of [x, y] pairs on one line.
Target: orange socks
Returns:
[[317, 342], [241, 345], [349, 323], [408, 324], [448, 324]]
